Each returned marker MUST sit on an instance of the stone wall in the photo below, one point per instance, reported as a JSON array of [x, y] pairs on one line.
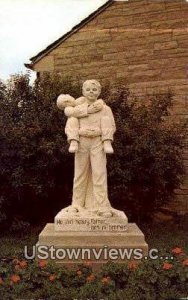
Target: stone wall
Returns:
[[145, 42]]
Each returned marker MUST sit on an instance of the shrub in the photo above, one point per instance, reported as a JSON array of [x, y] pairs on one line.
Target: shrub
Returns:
[[35, 167], [147, 280], [36, 170], [148, 164]]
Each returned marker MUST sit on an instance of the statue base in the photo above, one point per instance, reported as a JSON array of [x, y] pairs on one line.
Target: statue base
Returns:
[[85, 220], [75, 238]]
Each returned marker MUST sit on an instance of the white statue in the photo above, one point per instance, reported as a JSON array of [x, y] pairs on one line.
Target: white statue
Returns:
[[90, 128]]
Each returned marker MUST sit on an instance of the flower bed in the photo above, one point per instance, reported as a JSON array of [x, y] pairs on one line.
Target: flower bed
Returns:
[[157, 279]]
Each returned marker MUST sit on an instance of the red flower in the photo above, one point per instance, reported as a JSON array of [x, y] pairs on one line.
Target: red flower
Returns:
[[1, 280], [132, 265], [23, 264], [185, 262], [167, 266], [79, 273], [90, 278], [15, 278], [42, 263], [177, 251], [105, 280], [52, 277]]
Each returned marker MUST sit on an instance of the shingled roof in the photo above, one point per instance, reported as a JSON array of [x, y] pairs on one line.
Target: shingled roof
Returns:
[[55, 44]]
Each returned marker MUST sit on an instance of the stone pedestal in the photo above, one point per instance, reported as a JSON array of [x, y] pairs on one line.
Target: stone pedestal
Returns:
[[90, 237]]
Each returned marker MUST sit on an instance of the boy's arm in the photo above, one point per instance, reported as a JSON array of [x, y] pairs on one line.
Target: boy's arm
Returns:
[[111, 116], [83, 110], [79, 111]]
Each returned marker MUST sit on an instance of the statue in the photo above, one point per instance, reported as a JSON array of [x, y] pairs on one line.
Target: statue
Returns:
[[90, 221], [90, 128]]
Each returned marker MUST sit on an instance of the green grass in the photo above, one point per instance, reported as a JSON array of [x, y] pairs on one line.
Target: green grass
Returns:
[[12, 244], [69, 285], [164, 237]]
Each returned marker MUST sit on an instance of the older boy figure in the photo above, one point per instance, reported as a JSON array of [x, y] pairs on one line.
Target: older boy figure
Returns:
[[90, 129]]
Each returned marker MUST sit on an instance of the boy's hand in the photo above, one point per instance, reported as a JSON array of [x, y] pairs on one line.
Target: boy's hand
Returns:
[[95, 107]]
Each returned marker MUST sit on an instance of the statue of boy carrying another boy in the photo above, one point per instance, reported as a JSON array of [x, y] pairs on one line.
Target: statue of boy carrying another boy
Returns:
[[90, 128]]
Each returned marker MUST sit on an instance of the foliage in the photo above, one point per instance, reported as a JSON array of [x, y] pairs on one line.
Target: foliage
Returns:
[[148, 163], [35, 164], [36, 169], [144, 280]]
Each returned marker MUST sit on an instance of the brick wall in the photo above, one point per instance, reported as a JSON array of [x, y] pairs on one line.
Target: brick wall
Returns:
[[145, 42]]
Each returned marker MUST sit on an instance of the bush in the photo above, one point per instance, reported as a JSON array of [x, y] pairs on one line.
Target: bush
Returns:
[[145, 280], [36, 170], [148, 163]]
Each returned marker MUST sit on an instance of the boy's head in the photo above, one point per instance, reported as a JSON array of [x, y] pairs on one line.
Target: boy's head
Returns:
[[65, 101], [91, 89]]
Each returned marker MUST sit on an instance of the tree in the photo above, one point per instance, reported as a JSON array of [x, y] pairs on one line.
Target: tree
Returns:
[[36, 170], [148, 164]]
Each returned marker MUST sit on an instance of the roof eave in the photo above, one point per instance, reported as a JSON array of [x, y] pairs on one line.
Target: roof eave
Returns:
[[29, 66], [56, 43]]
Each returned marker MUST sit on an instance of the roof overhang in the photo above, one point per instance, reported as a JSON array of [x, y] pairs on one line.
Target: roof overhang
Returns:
[[55, 44]]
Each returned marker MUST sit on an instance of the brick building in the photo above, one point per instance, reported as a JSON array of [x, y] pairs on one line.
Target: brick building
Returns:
[[144, 42]]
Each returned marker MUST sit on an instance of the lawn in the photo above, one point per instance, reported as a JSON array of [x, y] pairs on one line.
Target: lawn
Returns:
[[162, 236], [148, 280]]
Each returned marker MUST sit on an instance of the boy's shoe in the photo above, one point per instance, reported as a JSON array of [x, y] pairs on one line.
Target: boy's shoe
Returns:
[[105, 214]]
